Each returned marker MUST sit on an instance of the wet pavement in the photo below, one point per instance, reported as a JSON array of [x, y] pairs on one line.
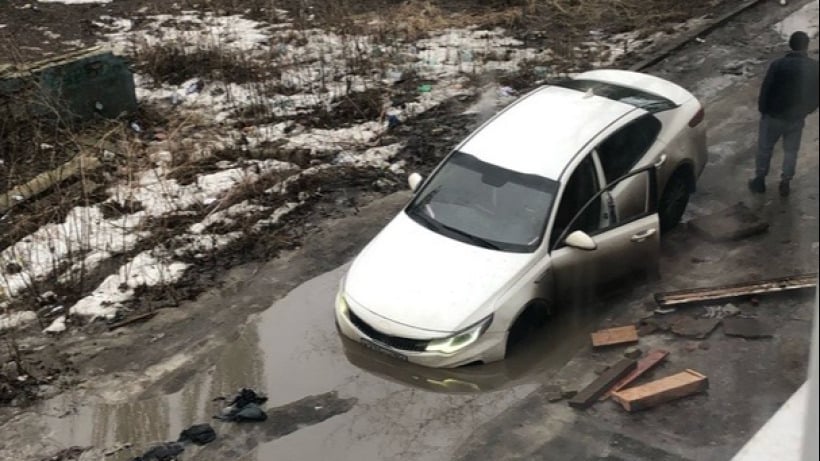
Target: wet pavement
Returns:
[[378, 408], [331, 399]]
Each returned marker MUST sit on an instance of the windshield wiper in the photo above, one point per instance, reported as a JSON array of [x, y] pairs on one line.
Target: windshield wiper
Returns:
[[473, 238], [432, 224]]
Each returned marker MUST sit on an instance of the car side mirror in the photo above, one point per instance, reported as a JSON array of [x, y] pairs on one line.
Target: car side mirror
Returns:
[[414, 180], [580, 240]]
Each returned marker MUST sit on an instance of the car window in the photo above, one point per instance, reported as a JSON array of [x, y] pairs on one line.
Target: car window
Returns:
[[582, 186], [622, 150], [641, 99], [634, 199]]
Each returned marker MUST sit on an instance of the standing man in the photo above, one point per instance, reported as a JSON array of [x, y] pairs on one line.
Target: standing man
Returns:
[[789, 93]]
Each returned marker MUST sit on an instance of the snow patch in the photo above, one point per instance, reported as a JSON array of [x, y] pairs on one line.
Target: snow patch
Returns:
[[144, 270], [805, 19], [57, 326], [16, 319]]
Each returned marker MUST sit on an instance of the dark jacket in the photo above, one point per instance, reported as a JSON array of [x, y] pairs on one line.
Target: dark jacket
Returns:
[[789, 91]]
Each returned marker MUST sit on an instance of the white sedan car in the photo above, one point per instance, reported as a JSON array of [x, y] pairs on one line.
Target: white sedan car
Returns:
[[567, 188]]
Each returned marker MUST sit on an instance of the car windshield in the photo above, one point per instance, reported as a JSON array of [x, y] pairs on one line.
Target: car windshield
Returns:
[[485, 205]]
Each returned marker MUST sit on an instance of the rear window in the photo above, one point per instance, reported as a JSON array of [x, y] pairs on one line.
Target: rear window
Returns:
[[641, 99]]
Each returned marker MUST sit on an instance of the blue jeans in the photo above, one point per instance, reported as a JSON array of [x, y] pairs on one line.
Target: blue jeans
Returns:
[[771, 130]]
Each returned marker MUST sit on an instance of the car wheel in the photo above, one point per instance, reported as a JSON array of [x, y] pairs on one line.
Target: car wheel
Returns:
[[673, 201], [533, 317]]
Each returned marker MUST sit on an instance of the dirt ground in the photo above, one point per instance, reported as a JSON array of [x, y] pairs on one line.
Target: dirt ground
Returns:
[[32, 30], [171, 350]]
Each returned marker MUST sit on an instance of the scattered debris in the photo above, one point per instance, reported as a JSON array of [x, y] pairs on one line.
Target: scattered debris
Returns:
[[116, 449], [588, 395], [244, 407], [653, 358], [129, 321], [633, 352], [67, 454], [617, 335], [694, 328], [733, 223], [721, 312], [199, 434], [425, 88], [553, 393], [79, 165], [747, 328], [696, 295], [662, 390], [167, 451]]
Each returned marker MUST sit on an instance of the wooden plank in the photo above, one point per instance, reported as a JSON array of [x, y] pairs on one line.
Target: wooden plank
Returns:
[[596, 389], [42, 182], [126, 322], [662, 390], [695, 295], [651, 360], [617, 335]]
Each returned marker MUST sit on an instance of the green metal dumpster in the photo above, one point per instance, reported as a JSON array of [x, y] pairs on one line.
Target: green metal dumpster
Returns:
[[74, 87]]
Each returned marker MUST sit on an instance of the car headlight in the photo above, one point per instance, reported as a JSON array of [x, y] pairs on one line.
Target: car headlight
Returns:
[[460, 340], [341, 303]]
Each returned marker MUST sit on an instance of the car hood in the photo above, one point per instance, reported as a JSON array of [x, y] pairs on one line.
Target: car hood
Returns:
[[418, 278]]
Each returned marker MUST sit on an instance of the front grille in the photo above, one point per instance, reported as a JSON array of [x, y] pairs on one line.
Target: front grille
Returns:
[[405, 344]]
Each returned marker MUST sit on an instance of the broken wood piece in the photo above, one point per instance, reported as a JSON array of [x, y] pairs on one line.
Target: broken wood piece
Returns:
[[697, 295], [733, 223], [588, 395], [46, 180], [652, 359], [129, 321], [617, 335], [747, 328], [661, 390]]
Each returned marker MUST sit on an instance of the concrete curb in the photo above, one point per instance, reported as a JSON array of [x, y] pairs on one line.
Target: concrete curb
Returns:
[[667, 50]]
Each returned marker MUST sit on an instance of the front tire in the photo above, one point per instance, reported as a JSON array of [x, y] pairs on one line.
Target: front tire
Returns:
[[533, 317], [673, 201]]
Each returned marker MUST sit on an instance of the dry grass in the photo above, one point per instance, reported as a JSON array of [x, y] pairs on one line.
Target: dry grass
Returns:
[[175, 62]]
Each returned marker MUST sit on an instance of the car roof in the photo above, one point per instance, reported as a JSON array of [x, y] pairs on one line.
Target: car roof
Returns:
[[542, 132]]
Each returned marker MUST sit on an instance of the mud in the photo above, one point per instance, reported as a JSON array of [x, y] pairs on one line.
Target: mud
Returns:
[[382, 410]]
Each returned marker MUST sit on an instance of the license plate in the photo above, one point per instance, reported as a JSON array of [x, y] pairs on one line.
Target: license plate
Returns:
[[381, 349]]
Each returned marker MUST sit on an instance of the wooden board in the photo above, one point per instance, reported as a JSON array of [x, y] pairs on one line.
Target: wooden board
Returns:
[[696, 295], [596, 389], [612, 336], [662, 390], [42, 182], [651, 360]]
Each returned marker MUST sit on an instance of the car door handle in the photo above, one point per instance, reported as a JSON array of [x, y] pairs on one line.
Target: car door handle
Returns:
[[641, 236], [661, 161]]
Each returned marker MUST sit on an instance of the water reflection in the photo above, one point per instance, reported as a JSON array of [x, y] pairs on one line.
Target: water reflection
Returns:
[[292, 351]]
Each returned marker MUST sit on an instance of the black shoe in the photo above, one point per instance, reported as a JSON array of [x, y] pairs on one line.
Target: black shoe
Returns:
[[757, 185], [785, 188]]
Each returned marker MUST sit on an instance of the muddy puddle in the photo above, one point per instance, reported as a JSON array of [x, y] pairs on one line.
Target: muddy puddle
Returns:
[[329, 399]]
